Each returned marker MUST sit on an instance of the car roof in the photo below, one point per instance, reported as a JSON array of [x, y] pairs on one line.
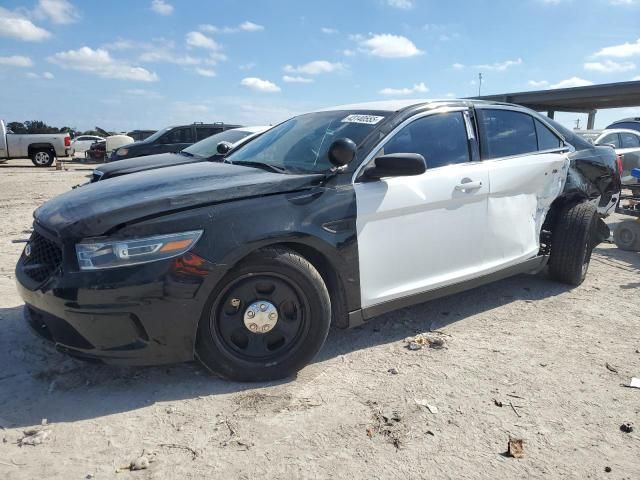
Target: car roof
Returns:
[[620, 130], [254, 129], [397, 105]]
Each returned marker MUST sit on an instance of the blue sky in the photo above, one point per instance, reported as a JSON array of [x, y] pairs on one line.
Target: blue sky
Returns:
[[151, 63]]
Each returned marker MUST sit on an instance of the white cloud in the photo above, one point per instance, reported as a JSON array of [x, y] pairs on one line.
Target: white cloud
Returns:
[[349, 53], [499, 66], [417, 88], [141, 92], [99, 62], [315, 68], [199, 40], [205, 72], [14, 25], [259, 85], [48, 75], [609, 66], [247, 66], [636, 78], [387, 45], [32, 75], [572, 82], [296, 79], [250, 27], [402, 4], [168, 56], [538, 83], [16, 61], [328, 31], [245, 26], [457, 66], [623, 2], [57, 11], [623, 50], [161, 7]]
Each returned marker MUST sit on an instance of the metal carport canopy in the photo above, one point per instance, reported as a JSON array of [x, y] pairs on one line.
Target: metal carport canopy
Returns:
[[577, 99]]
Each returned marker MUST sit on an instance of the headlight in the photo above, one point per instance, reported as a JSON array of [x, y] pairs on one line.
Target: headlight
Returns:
[[121, 253], [122, 152]]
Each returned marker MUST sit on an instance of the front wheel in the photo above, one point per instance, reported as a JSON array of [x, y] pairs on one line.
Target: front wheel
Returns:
[[267, 318], [572, 242], [42, 158]]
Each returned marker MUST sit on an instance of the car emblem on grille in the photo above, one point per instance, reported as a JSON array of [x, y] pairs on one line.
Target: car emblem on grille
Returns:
[[27, 250]]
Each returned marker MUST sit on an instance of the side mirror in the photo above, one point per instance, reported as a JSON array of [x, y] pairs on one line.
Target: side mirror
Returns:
[[397, 165], [342, 151], [223, 148]]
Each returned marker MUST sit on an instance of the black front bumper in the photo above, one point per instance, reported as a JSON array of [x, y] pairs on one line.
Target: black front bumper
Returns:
[[140, 315]]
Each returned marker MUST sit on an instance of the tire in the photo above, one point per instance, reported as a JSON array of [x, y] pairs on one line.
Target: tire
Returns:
[[286, 284], [572, 242], [42, 158], [627, 236]]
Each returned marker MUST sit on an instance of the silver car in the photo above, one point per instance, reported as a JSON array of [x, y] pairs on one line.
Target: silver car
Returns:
[[626, 143]]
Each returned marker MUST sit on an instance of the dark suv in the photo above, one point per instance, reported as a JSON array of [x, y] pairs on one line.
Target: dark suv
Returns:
[[632, 123], [170, 139]]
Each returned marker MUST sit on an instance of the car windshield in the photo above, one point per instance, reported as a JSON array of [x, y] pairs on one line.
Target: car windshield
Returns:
[[589, 136], [207, 148], [301, 144]]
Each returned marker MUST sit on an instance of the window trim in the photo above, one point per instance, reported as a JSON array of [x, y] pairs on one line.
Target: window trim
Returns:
[[567, 147], [356, 177]]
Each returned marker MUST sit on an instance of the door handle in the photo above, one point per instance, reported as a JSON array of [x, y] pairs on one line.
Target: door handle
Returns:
[[467, 185]]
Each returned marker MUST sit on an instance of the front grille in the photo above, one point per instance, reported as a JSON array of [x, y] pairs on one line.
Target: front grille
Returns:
[[41, 257]]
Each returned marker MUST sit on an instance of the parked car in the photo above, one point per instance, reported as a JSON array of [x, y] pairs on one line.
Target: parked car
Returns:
[[82, 143], [626, 144], [337, 215], [632, 123], [41, 148], [211, 149], [170, 139], [138, 135]]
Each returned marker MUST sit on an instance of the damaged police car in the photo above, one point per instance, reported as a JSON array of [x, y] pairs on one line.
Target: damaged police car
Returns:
[[338, 215]]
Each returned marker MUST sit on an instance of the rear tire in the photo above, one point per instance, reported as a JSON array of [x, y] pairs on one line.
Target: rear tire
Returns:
[[627, 236], [572, 242], [284, 283], [42, 158]]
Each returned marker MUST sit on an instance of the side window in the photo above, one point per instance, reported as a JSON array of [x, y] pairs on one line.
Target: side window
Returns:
[[82, 139], [547, 140], [504, 133], [441, 139], [205, 132], [629, 140], [611, 139], [178, 135]]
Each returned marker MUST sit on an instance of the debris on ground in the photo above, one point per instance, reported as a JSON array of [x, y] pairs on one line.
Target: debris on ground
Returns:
[[387, 423], [193, 451], [421, 340], [611, 368], [497, 403], [607, 469], [140, 463], [626, 427], [393, 371], [34, 436], [635, 382], [515, 448], [423, 403]]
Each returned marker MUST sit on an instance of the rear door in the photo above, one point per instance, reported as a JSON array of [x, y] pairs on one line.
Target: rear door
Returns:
[[527, 164], [630, 152], [419, 233]]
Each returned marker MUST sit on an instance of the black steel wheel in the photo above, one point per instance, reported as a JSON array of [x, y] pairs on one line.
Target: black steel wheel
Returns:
[[266, 320]]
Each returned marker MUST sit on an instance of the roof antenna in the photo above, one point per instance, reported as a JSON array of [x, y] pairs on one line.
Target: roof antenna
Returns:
[[479, 83]]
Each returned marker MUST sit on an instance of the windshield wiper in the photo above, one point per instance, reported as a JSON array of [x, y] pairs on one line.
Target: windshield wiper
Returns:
[[264, 166], [186, 154]]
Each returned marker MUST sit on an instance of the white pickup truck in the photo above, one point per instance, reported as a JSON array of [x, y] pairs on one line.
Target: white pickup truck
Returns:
[[41, 148]]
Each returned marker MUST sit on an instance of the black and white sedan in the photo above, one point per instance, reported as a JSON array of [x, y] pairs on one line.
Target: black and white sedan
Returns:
[[334, 216]]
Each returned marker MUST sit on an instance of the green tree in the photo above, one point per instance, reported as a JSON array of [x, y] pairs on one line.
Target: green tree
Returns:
[[17, 127]]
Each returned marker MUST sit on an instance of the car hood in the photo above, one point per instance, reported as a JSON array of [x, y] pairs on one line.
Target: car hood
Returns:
[[138, 164], [97, 208]]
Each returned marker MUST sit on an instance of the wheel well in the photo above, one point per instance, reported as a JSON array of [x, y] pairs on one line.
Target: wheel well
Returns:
[[40, 146], [549, 223], [339, 314]]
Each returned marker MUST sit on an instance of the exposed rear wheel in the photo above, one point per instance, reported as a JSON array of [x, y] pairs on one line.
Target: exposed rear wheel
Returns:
[[572, 243], [42, 158], [627, 235], [267, 319]]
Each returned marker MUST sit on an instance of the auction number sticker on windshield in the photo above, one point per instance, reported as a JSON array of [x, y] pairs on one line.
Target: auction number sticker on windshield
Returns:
[[368, 119]]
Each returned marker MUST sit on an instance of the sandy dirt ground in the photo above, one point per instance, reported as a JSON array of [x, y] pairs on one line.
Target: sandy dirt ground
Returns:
[[366, 408]]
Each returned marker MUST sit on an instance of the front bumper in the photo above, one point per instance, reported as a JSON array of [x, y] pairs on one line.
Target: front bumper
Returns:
[[142, 315]]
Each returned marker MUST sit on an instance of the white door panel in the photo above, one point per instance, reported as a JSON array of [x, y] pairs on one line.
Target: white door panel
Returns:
[[422, 232], [522, 190]]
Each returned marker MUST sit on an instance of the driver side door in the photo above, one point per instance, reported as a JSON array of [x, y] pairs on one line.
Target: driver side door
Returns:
[[419, 233]]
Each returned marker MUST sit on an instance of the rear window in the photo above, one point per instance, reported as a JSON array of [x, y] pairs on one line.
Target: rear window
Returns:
[[505, 133], [629, 140]]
